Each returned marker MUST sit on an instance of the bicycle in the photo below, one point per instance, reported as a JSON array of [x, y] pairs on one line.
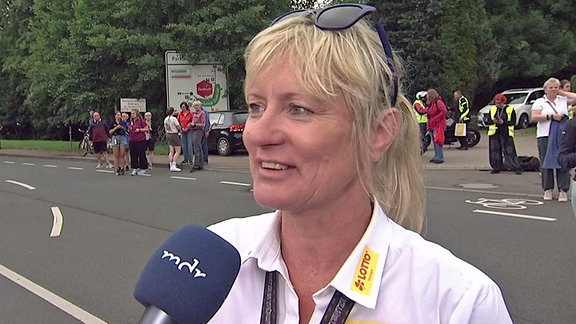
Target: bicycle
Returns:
[[85, 147]]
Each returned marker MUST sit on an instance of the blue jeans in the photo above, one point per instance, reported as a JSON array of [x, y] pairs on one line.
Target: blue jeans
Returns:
[[187, 146], [438, 150]]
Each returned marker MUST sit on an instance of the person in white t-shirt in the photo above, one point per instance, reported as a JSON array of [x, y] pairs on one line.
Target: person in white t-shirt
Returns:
[[334, 149], [551, 113], [172, 127]]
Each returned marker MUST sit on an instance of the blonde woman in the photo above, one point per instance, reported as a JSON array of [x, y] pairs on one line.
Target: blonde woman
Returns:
[[348, 211], [551, 113]]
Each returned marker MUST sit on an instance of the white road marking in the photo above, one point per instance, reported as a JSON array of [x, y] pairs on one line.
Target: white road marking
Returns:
[[57, 222], [27, 186], [26, 163], [540, 218], [9, 162], [183, 178], [50, 297], [236, 183], [75, 168], [50, 166], [105, 171]]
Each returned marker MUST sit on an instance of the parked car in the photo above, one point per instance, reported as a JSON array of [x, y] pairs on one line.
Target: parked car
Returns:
[[521, 100], [226, 131]]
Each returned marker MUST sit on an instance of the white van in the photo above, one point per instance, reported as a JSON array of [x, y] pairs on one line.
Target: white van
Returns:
[[521, 100]]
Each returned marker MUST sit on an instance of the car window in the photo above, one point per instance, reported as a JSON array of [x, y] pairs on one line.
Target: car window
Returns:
[[240, 118], [516, 98], [216, 118], [535, 95]]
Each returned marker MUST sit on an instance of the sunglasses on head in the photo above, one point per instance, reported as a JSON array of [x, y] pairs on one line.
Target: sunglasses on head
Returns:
[[343, 16]]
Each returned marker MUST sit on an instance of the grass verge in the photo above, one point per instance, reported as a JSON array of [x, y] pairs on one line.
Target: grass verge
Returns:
[[61, 146]]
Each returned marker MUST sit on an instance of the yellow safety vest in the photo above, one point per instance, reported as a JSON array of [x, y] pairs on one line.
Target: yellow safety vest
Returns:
[[421, 118], [492, 128]]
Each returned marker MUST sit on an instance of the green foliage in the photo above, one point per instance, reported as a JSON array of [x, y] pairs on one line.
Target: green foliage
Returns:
[[60, 58]]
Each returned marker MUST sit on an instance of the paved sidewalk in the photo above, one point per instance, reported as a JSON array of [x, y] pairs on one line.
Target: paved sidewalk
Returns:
[[475, 158]]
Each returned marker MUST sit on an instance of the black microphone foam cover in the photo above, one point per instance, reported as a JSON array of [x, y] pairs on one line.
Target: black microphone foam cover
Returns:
[[189, 276]]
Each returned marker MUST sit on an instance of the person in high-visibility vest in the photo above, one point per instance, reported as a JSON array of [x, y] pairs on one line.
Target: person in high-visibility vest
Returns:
[[463, 116], [501, 149], [566, 85], [422, 118]]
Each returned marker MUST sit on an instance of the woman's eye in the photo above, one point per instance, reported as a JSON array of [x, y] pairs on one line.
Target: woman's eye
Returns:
[[255, 109], [298, 110]]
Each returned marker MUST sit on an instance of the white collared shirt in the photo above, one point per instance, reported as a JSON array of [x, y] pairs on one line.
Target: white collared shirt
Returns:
[[393, 275], [545, 105]]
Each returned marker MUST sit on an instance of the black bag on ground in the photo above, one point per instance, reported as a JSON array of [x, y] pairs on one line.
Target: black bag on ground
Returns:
[[529, 163]]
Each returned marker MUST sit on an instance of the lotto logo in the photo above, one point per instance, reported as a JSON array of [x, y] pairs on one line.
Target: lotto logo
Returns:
[[364, 276]]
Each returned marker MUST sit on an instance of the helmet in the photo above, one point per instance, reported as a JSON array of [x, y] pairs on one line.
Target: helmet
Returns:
[[421, 95]]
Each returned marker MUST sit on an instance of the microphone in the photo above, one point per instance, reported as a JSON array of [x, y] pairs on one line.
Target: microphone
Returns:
[[187, 279]]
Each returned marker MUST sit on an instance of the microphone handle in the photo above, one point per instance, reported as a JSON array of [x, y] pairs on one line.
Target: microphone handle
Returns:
[[154, 315]]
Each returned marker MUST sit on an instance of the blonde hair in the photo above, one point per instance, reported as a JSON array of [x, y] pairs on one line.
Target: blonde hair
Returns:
[[352, 63], [551, 81]]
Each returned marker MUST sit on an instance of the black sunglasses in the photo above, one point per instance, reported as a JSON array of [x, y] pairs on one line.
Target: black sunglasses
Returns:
[[343, 16]]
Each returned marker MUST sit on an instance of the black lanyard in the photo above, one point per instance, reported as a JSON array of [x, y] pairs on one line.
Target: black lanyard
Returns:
[[337, 312]]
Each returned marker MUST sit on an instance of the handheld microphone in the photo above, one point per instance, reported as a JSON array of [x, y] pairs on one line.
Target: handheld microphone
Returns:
[[187, 279]]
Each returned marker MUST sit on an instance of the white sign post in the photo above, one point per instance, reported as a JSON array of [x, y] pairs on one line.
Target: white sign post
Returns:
[[185, 82]]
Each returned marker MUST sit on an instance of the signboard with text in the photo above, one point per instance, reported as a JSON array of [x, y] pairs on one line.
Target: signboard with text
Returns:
[[185, 82], [127, 104]]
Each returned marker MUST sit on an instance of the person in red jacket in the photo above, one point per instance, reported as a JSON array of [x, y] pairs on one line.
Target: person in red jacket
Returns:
[[436, 123]]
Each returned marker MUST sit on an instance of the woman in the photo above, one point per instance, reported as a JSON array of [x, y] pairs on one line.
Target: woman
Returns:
[[566, 86], [119, 143], [138, 129], [150, 138], [501, 147], [551, 112], [567, 154], [347, 211], [436, 123], [185, 120], [172, 127], [126, 124]]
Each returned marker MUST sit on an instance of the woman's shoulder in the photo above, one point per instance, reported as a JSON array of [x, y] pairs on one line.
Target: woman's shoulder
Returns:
[[243, 232]]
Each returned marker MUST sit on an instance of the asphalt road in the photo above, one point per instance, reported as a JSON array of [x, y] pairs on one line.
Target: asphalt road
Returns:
[[111, 225]]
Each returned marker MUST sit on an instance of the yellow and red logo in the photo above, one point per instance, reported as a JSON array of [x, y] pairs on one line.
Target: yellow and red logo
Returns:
[[364, 276]]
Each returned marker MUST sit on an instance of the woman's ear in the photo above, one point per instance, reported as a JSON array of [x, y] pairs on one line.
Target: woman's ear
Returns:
[[384, 131]]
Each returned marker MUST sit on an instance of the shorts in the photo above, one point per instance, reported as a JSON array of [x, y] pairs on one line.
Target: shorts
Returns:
[[100, 147], [173, 139], [118, 140], [150, 145]]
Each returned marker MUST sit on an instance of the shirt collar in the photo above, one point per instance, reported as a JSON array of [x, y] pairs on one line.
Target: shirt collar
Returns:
[[361, 275]]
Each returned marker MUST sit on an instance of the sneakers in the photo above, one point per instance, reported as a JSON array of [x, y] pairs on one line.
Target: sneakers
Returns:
[[99, 166], [118, 171], [563, 196], [174, 168], [547, 195], [109, 166], [134, 172], [142, 172]]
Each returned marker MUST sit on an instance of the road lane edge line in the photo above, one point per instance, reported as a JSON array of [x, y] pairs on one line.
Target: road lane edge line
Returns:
[[540, 218], [236, 183], [27, 186], [50, 297], [56, 222]]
